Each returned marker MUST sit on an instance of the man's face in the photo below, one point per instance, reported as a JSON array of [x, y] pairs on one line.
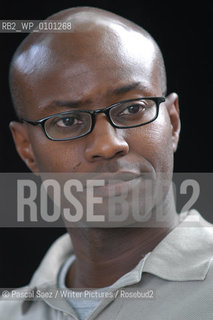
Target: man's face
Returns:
[[95, 69]]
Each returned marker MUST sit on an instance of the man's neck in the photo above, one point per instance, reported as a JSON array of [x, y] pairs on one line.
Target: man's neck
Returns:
[[104, 255]]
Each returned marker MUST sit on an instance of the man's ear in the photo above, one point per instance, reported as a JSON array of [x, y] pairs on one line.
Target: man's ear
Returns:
[[23, 145], [172, 105]]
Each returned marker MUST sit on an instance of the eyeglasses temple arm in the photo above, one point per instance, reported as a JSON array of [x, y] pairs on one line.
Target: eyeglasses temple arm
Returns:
[[34, 123]]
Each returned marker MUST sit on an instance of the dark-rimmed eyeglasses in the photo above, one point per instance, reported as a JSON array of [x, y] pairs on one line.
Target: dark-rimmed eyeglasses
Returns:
[[75, 124]]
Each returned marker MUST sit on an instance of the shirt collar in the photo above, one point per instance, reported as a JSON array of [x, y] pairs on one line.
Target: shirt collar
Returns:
[[185, 253], [48, 270]]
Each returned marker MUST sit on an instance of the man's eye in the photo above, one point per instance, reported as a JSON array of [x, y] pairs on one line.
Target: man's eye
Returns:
[[67, 122], [133, 109]]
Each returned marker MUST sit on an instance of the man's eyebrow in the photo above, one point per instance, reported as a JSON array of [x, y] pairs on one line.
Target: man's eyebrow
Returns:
[[69, 104], [72, 104], [120, 90], [126, 88], [79, 103]]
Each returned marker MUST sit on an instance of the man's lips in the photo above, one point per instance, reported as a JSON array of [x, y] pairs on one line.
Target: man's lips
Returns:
[[117, 176], [109, 177], [116, 183]]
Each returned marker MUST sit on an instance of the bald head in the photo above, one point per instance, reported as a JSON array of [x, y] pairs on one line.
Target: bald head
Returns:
[[96, 35]]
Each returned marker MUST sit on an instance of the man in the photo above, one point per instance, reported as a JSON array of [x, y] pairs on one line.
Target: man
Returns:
[[140, 270]]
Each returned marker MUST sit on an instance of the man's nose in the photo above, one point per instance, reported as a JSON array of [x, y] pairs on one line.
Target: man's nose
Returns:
[[104, 142]]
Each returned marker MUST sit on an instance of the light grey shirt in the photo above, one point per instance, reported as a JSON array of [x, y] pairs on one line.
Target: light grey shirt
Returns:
[[174, 282]]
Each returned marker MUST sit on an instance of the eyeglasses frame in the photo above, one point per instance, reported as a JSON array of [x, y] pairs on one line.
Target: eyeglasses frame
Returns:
[[106, 111]]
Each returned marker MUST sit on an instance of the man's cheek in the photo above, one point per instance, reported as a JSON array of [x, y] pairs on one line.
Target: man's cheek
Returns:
[[156, 145], [161, 131], [162, 149], [155, 135], [48, 156], [58, 157]]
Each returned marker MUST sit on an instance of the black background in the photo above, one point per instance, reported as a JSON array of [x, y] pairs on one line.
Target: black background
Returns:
[[184, 33]]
